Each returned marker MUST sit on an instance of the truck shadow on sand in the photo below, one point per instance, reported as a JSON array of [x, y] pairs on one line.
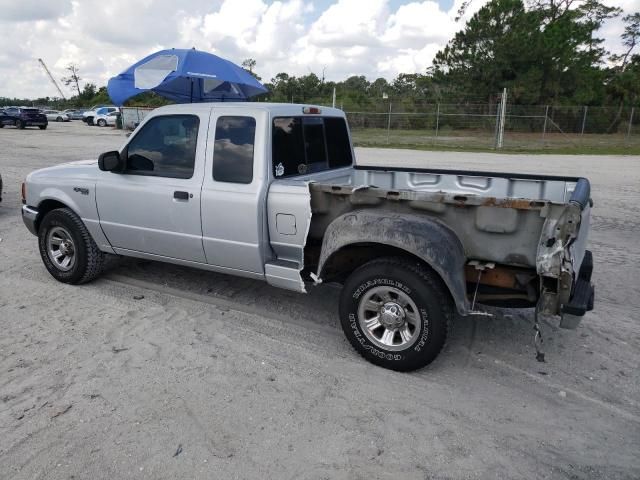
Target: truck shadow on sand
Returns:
[[507, 334]]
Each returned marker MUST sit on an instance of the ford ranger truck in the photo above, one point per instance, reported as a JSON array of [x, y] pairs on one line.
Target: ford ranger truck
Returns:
[[271, 192]]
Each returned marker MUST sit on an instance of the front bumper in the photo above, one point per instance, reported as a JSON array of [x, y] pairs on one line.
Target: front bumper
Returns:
[[582, 295], [30, 218]]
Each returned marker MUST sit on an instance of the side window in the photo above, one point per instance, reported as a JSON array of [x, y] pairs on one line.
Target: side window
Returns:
[[165, 147], [233, 149], [309, 144], [338, 145], [288, 146]]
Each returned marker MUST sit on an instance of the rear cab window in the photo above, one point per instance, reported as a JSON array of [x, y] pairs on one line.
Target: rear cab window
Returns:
[[306, 144]]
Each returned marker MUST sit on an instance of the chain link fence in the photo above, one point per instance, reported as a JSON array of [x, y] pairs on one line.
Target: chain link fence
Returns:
[[404, 122], [479, 126], [407, 123]]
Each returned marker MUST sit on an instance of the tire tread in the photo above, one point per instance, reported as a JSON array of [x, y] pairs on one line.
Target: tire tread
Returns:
[[439, 290], [95, 258]]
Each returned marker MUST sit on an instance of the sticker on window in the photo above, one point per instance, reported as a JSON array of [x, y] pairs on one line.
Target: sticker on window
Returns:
[[279, 170]]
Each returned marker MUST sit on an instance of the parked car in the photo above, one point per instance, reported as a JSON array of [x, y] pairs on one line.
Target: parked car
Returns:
[[22, 117], [270, 192], [56, 116], [74, 113], [89, 115], [102, 119]]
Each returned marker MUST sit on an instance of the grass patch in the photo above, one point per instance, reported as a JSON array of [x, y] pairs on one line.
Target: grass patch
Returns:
[[514, 142], [568, 150]]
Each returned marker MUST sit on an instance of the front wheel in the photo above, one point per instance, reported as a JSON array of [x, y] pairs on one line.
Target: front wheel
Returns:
[[42, 127], [59, 119], [20, 124], [395, 312], [67, 249]]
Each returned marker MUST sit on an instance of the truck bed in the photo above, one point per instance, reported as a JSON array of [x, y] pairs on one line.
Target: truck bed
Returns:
[[498, 217]]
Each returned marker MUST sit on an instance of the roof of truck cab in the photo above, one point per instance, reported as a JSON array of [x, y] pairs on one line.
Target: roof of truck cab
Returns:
[[274, 108]]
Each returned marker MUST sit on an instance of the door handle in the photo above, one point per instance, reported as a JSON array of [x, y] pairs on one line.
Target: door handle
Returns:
[[181, 195]]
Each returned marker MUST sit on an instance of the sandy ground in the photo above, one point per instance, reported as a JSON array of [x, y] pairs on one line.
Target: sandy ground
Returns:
[[212, 376]]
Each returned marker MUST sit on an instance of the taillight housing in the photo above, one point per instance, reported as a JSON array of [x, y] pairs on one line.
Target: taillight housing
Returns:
[[24, 192], [311, 110]]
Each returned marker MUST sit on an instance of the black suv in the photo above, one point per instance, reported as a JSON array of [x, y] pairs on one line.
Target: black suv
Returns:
[[23, 117]]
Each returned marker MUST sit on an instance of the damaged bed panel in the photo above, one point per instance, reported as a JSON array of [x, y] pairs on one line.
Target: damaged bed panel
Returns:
[[425, 238], [527, 223], [538, 224], [289, 214]]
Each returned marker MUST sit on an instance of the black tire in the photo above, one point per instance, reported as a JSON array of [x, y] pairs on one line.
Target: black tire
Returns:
[[102, 123], [89, 121], [89, 260], [20, 124], [42, 127], [58, 119], [424, 289]]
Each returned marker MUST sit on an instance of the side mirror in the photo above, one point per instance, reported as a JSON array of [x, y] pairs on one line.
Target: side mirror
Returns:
[[110, 162]]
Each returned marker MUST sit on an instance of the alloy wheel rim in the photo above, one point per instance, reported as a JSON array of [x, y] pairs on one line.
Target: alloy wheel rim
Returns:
[[389, 318], [61, 249]]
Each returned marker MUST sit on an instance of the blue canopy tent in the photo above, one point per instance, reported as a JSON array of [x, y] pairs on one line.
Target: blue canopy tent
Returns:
[[185, 76]]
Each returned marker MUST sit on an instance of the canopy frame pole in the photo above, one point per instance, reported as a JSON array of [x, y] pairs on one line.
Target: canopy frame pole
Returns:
[[191, 92]]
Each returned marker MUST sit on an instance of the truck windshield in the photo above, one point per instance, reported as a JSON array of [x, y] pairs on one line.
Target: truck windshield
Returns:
[[309, 144]]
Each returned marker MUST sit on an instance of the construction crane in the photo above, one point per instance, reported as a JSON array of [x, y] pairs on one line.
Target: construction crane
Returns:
[[55, 84]]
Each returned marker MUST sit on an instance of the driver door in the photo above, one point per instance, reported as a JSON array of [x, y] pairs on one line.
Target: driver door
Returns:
[[153, 207]]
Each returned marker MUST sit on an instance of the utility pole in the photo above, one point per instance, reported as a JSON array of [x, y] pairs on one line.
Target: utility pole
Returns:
[[501, 119], [55, 84]]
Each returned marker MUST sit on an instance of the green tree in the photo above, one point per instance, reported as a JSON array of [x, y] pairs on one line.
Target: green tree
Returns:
[[490, 53], [547, 52], [73, 79], [249, 64], [624, 77], [88, 92]]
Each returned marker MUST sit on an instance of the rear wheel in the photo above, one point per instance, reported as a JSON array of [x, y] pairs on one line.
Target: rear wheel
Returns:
[[58, 119], [20, 124], [102, 123], [395, 312], [67, 249], [42, 127]]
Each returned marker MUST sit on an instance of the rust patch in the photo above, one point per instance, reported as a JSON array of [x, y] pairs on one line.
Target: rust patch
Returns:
[[499, 276], [517, 203]]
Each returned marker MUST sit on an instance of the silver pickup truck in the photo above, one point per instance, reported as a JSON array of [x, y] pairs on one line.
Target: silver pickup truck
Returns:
[[271, 192]]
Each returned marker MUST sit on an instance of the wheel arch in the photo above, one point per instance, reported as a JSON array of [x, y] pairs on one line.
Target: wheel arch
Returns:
[[47, 205], [358, 237]]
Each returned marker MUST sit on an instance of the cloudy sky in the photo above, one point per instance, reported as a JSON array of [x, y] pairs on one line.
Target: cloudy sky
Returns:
[[375, 38]]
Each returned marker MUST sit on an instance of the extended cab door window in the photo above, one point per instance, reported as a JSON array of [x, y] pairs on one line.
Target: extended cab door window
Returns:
[[164, 147], [233, 149], [309, 144]]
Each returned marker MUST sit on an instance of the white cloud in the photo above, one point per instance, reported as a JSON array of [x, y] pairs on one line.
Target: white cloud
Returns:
[[349, 37], [417, 24], [350, 22], [31, 10], [234, 19]]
